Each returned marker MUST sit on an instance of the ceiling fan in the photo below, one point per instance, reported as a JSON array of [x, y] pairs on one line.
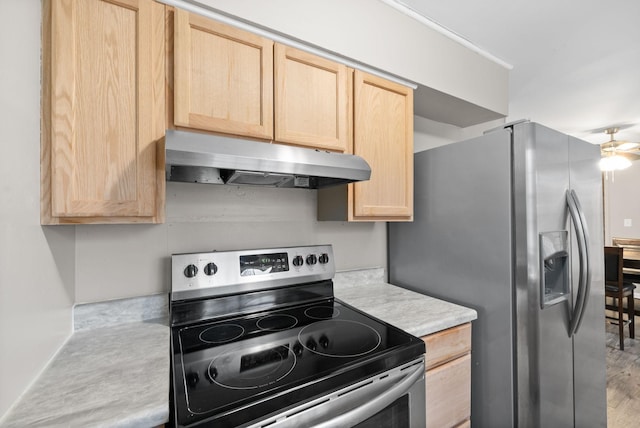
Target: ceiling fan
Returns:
[[617, 154]]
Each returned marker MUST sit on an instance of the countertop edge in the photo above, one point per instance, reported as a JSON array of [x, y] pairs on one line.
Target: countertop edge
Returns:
[[413, 312]]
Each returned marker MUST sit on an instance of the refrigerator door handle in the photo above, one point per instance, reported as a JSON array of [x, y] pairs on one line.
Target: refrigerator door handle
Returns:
[[584, 281]]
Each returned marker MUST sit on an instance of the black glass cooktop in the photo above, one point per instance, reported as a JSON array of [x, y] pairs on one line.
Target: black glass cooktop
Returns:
[[240, 369]]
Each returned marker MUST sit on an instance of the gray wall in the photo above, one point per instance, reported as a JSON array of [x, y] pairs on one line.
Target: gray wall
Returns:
[[36, 263], [131, 260], [622, 201], [116, 261]]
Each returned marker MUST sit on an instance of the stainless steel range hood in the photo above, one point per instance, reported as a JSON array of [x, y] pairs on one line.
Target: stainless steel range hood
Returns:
[[203, 158]]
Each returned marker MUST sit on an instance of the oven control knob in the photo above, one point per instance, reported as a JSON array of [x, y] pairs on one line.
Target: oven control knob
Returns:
[[312, 259], [312, 345], [324, 341], [190, 271], [298, 261], [297, 349], [324, 258], [192, 379], [210, 269]]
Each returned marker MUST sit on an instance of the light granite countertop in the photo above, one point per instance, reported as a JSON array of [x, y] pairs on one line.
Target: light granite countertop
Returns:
[[112, 372], [412, 312]]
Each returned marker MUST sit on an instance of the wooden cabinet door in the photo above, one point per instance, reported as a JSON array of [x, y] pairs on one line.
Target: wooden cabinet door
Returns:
[[448, 393], [311, 100], [223, 78], [383, 136], [103, 111]]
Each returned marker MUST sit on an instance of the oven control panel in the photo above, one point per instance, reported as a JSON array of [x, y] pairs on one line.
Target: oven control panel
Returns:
[[198, 275], [262, 264]]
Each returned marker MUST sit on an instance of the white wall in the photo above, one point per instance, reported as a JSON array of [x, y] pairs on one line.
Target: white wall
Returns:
[[36, 263], [622, 201], [429, 134]]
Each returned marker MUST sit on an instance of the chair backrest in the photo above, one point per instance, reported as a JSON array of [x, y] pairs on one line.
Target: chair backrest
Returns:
[[613, 260], [631, 251]]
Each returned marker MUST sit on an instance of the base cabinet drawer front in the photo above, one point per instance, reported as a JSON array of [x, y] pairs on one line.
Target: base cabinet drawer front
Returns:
[[447, 345], [448, 393], [448, 377]]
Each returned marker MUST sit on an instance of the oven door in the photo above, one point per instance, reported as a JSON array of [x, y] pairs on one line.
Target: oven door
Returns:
[[394, 399]]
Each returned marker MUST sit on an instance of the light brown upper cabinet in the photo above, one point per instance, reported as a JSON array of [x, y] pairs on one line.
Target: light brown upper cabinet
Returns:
[[311, 100], [103, 112], [383, 136], [223, 78]]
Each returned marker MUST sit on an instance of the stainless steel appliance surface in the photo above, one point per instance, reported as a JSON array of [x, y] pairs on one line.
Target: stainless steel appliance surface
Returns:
[[510, 224], [258, 340], [215, 159]]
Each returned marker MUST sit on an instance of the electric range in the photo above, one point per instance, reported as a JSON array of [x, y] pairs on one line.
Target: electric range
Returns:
[[259, 340]]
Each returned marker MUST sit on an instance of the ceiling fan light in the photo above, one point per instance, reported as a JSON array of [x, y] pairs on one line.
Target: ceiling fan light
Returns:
[[614, 163]]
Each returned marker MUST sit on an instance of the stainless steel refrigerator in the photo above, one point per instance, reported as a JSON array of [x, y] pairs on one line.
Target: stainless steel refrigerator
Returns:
[[510, 224]]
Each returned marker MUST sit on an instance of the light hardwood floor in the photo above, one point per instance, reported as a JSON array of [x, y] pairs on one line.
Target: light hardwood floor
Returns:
[[623, 378]]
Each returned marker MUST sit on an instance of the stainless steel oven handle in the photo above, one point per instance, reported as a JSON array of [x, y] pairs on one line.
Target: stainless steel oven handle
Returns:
[[374, 402], [356, 403]]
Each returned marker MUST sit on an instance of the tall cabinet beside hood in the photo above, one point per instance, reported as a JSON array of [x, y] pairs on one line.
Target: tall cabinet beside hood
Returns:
[[103, 117], [383, 136]]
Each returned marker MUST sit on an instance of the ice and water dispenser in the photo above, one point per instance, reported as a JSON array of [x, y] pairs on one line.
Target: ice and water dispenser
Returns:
[[554, 268]]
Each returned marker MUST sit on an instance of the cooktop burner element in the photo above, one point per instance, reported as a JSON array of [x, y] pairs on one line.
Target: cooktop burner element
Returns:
[[322, 312], [241, 370], [339, 338], [222, 333], [276, 322]]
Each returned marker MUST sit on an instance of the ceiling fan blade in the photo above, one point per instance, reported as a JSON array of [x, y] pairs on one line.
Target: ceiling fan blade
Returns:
[[629, 155], [627, 146]]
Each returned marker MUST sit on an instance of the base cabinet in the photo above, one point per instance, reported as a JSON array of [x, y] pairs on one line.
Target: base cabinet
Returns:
[[448, 377]]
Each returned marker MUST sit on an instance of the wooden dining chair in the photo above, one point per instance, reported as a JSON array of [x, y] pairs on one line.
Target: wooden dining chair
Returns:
[[616, 287]]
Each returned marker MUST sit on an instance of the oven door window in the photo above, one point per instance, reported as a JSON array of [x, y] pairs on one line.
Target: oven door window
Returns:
[[396, 415]]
